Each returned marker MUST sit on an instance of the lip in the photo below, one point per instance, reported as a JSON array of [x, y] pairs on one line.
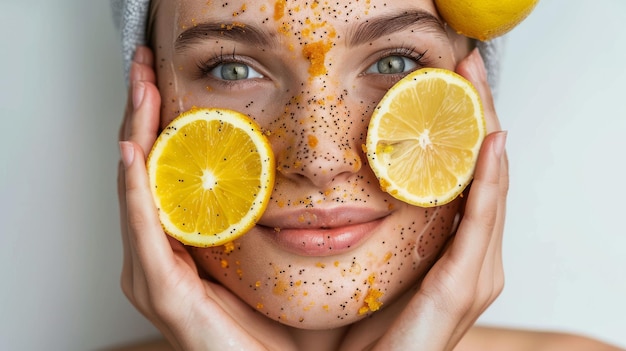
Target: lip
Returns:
[[322, 232]]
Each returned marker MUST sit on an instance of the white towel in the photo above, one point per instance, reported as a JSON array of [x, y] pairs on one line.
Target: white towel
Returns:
[[130, 17]]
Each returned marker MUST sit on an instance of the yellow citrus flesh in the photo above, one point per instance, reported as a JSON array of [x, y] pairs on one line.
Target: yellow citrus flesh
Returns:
[[424, 137], [211, 172], [484, 19]]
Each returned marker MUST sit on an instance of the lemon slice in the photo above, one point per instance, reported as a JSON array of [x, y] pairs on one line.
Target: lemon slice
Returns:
[[424, 137], [211, 172]]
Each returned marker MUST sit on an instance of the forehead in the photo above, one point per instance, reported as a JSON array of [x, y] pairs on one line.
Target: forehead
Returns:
[[286, 14]]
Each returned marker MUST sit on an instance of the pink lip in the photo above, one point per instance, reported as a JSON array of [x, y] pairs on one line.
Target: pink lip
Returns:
[[321, 232]]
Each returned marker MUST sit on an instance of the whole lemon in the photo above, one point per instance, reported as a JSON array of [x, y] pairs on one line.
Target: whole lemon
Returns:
[[484, 19]]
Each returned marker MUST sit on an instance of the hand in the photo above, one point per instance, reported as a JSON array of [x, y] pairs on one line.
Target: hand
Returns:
[[159, 277], [469, 275]]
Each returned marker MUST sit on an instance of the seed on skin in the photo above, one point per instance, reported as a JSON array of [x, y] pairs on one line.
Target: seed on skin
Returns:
[[371, 279], [242, 10]]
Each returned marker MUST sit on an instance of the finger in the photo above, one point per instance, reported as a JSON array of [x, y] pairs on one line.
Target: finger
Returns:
[[144, 121], [492, 275], [473, 69], [127, 263], [145, 234], [141, 69], [494, 272], [481, 211]]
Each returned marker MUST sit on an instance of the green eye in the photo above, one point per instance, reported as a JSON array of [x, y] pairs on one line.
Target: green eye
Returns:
[[392, 65], [234, 71]]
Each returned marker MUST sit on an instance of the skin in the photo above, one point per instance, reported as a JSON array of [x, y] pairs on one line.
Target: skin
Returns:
[[258, 293]]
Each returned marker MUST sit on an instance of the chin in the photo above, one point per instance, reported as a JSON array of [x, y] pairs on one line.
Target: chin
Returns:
[[317, 296]]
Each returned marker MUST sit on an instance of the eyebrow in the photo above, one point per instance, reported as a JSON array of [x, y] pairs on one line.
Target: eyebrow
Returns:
[[367, 31], [212, 30], [377, 27]]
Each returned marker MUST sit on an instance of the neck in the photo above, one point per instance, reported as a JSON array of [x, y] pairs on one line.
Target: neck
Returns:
[[318, 340]]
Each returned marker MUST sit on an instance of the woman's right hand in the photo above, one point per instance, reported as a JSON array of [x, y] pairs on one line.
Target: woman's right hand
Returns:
[[159, 276]]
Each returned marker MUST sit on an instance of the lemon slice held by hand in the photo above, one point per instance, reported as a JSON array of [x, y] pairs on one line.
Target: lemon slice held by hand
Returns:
[[424, 137], [211, 172]]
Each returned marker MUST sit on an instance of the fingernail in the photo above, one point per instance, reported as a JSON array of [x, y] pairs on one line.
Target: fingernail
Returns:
[[499, 143], [139, 90], [127, 153]]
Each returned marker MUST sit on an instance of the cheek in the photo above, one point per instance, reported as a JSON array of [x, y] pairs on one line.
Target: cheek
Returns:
[[173, 96], [437, 227]]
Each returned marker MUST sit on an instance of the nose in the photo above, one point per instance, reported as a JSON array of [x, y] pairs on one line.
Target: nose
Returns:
[[322, 147]]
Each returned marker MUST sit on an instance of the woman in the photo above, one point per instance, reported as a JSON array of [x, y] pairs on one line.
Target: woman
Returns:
[[306, 69]]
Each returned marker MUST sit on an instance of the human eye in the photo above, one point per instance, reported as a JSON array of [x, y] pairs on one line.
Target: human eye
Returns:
[[234, 71], [399, 61], [227, 69]]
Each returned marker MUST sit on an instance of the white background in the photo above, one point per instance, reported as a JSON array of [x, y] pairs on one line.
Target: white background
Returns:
[[562, 97]]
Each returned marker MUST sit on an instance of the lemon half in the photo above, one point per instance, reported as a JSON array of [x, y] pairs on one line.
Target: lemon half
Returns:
[[211, 172], [424, 137]]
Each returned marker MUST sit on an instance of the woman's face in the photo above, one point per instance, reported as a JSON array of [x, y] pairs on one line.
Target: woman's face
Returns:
[[331, 246]]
